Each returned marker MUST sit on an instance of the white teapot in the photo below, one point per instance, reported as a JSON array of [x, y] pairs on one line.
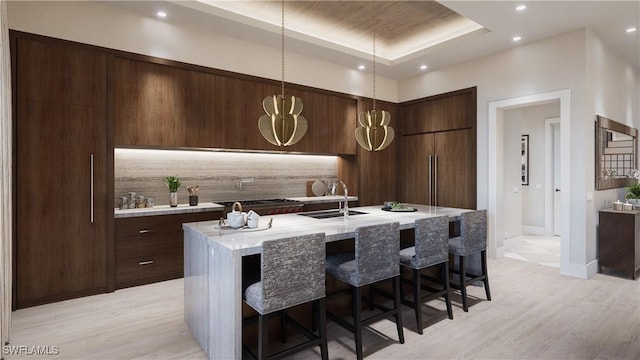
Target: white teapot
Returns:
[[253, 219], [236, 218]]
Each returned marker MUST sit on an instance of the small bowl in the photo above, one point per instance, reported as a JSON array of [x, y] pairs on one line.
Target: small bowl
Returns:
[[388, 204]]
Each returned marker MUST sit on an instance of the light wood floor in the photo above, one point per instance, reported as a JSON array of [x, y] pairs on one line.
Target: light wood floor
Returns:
[[535, 314]]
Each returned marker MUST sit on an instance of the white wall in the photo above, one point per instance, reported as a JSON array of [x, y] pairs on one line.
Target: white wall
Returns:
[[600, 83], [614, 92], [112, 27]]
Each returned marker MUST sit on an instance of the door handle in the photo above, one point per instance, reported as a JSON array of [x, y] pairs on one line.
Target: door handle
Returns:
[[557, 190], [430, 178], [91, 189], [435, 183]]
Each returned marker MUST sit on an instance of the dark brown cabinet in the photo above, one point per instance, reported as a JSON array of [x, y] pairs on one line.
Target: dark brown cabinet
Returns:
[[438, 169], [619, 241], [167, 105], [448, 111], [437, 154], [150, 248], [60, 172]]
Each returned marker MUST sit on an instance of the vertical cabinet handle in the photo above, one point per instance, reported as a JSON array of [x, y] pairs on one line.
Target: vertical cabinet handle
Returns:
[[91, 190], [435, 183], [430, 179]]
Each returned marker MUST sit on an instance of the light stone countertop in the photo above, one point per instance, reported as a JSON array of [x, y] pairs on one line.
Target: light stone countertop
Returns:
[[322, 199], [166, 210], [210, 206], [248, 241]]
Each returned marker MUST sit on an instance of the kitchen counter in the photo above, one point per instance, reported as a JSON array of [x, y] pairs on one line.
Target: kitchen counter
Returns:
[[166, 210], [210, 206], [213, 265], [323, 199]]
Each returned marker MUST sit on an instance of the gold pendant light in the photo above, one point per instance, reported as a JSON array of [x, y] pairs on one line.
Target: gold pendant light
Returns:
[[374, 132], [282, 125]]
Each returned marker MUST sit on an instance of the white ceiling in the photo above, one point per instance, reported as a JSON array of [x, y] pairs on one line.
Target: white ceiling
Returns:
[[491, 29]]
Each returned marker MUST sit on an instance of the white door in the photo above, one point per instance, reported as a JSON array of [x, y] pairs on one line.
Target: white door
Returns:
[[555, 130]]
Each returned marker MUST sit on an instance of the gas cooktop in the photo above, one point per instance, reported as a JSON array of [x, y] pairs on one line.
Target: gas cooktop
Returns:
[[261, 202]]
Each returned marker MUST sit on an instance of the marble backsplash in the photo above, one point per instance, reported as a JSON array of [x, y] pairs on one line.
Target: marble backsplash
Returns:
[[219, 174]]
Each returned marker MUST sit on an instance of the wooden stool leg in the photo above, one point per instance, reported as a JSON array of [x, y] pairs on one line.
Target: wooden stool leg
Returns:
[[283, 326], [356, 302], [396, 306], [463, 285], [445, 282], [486, 275], [417, 304], [324, 350], [263, 331]]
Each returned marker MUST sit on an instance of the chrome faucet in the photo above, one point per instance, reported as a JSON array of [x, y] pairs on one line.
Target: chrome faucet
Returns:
[[342, 209]]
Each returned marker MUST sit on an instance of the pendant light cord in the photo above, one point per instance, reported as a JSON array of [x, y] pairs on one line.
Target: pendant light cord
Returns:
[[374, 55], [282, 32]]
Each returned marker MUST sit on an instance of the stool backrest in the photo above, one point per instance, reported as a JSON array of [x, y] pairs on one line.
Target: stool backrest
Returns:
[[473, 231], [432, 241], [293, 271], [377, 255]]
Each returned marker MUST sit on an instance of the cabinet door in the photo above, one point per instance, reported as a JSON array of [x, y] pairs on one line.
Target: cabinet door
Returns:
[[454, 169], [415, 177], [61, 202]]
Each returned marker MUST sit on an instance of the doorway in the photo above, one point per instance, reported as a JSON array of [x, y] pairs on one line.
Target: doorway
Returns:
[[497, 205]]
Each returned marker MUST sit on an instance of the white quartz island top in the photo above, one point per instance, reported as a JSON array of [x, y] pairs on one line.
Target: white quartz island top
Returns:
[[248, 241], [213, 265]]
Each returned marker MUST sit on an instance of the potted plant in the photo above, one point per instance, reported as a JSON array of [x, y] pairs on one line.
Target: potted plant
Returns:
[[173, 183], [634, 193], [193, 195]]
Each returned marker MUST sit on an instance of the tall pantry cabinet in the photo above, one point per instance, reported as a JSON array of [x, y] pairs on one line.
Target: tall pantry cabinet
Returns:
[[437, 151], [60, 248]]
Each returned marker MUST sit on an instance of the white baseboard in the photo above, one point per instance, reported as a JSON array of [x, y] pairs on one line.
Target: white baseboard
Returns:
[[581, 271], [533, 230]]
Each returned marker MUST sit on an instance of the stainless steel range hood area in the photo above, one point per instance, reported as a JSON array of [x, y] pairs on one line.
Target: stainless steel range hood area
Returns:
[[218, 173]]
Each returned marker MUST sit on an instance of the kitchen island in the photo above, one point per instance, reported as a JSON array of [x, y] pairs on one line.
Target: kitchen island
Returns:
[[213, 265]]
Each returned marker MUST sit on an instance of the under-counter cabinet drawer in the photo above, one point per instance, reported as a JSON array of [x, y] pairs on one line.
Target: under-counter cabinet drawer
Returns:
[[150, 248]]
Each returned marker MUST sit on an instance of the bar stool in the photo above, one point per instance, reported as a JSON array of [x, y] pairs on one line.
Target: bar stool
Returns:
[[472, 240], [376, 258], [431, 249], [292, 273]]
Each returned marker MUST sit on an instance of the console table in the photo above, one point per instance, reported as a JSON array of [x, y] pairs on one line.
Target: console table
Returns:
[[619, 241]]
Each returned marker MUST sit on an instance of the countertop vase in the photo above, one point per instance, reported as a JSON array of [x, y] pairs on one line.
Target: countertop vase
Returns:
[[173, 199], [193, 200]]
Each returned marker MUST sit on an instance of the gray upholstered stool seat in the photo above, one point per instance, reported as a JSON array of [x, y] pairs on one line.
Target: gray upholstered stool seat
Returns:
[[292, 273], [375, 259], [472, 240], [431, 249]]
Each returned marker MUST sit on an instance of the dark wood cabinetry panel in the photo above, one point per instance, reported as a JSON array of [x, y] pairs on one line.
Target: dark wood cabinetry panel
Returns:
[[439, 169], [150, 248], [169, 106], [449, 111], [52, 73], [61, 171], [455, 169], [437, 161], [415, 169]]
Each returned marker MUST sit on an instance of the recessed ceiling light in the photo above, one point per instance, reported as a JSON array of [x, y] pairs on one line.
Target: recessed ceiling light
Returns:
[[631, 29], [521, 7], [517, 38], [423, 67], [361, 67], [161, 14]]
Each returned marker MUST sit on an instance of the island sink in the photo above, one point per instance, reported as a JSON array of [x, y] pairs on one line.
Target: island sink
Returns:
[[325, 214]]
